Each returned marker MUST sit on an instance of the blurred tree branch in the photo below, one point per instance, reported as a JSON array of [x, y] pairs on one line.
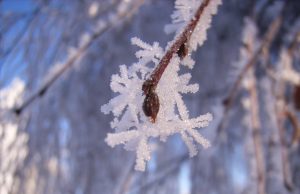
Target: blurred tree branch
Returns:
[[123, 15], [266, 42], [257, 140]]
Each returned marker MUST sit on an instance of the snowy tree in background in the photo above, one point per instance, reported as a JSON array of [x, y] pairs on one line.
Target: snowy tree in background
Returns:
[[133, 128], [13, 148]]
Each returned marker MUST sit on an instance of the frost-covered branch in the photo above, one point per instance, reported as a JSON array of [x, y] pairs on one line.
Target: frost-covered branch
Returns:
[[124, 11], [157, 75]]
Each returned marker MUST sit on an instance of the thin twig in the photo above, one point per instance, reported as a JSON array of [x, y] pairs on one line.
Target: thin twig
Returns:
[[286, 173], [289, 114], [125, 14], [257, 140], [292, 117]]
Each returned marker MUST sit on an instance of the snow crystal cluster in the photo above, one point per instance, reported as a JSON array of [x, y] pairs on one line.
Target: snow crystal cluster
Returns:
[[13, 147], [132, 127]]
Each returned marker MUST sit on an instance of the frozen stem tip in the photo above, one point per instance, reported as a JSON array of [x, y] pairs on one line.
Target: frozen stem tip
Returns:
[[151, 101]]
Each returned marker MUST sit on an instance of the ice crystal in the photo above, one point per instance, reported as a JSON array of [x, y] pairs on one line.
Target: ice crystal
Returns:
[[184, 11]]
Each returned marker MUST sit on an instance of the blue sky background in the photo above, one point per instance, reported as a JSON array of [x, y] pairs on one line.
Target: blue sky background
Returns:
[[11, 64]]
